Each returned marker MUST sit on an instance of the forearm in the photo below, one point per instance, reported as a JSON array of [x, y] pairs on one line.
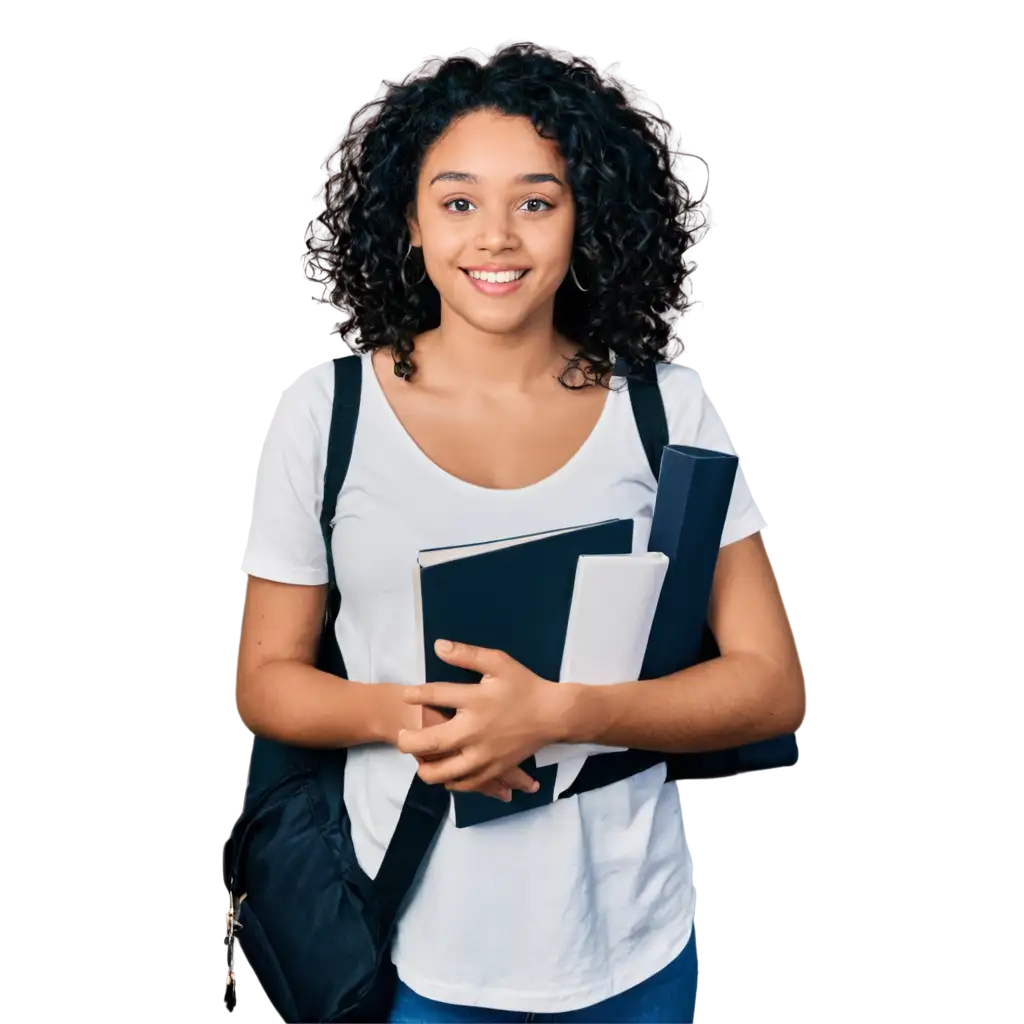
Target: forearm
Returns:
[[726, 702], [295, 703]]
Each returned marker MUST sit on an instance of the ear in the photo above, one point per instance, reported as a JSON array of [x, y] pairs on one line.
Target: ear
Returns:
[[413, 223]]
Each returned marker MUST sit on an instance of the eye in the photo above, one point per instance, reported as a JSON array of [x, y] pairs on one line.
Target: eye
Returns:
[[532, 199], [545, 205]]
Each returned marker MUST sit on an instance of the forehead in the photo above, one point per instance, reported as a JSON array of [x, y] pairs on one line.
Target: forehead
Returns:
[[493, 147]]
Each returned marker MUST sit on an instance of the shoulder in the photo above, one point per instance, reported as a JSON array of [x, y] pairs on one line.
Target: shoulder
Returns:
[[314, 386], [677, 379], [683, 396], [308, 399], [301, 423]]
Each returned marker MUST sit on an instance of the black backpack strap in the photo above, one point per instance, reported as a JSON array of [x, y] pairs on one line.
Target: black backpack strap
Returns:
[[425, 806], [348, 383], [648, 409], [348, 378]]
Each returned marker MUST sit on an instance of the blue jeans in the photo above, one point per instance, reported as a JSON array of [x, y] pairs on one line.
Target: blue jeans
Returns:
[[667, 997]]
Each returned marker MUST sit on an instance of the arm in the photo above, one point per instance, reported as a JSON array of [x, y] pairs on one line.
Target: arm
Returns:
[[280, 693], [754, 691], [283, 696]]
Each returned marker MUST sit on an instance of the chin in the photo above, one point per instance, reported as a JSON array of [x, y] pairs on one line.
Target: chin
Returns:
[[498, 325], [495, 322]]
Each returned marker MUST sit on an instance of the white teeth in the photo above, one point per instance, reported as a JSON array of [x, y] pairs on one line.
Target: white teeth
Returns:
[[500, 278]]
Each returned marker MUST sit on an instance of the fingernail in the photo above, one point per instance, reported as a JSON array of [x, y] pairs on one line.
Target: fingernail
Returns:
[[506, 795], [535, 786], [443, 645]]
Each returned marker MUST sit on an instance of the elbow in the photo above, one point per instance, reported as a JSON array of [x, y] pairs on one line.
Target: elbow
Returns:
[[244, 711], [780, 702], [247, 701], [785, 700]]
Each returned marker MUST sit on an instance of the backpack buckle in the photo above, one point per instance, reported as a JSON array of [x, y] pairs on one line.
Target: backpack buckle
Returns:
[[231, 924]]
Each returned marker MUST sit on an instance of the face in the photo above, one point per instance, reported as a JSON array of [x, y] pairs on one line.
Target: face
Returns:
[[474, 209]]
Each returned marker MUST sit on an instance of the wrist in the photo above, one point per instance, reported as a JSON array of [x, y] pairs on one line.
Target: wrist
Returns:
[[564, 714], [392, 713]]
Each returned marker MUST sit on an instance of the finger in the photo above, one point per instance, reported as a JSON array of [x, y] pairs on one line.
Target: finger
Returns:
[[429, 716], [485, 660], [516, 778], [451, 769], [478, 780], [423, 758], [434, 741], [443, 695], [499, 792]]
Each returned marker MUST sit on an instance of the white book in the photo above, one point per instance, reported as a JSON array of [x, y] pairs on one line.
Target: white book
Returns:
[[613, 604]]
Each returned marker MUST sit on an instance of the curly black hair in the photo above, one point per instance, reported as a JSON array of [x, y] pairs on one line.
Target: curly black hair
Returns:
[[634, 218]]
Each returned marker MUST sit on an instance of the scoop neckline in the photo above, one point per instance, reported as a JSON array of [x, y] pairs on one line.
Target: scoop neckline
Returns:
[[566, 469]]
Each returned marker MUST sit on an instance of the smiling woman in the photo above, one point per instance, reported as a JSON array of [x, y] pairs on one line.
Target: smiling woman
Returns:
[[493, 167], [525, 219], [489, 403]]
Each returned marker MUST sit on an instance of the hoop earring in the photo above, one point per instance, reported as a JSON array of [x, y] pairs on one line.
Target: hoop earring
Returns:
[[572, 270], [401, 273]]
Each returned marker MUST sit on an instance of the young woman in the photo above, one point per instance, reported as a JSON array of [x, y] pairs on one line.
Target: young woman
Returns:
[[489, 409]]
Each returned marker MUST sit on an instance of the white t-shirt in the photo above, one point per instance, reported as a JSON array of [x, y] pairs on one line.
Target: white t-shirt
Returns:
[[556, 908]]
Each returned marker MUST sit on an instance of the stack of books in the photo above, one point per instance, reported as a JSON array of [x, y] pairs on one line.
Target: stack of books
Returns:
[[577, 605]]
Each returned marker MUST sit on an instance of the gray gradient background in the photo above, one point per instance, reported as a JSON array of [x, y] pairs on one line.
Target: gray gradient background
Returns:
[[151, 184]]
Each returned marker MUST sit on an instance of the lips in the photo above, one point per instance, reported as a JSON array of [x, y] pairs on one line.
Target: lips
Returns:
[[495, 288], [520, 271]]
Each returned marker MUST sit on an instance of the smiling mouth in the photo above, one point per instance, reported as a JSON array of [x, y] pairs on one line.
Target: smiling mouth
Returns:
[[498, 278]]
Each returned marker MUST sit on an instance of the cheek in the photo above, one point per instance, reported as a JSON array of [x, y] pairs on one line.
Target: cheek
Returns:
[[441, 239], [557, 248], [564, 228]]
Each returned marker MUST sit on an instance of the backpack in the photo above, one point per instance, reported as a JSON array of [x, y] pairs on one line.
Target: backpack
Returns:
[[314, 927]]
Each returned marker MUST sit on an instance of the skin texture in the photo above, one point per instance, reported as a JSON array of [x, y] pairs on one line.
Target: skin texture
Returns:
[[485, 405], [282, 695], [496, 218]]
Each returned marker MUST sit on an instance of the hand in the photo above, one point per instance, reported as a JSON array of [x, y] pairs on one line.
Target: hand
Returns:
[[499, 788], [415, 716], [498, 722]]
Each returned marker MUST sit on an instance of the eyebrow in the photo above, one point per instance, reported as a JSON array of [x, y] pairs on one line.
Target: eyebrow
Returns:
[[524, 179]]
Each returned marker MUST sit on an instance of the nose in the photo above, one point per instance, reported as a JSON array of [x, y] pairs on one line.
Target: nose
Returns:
[[495, 231]]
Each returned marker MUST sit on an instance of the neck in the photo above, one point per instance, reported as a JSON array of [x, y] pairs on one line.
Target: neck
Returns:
[[492, 363]]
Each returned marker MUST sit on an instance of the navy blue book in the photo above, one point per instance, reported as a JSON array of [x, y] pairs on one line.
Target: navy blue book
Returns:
[[694, 490], [514, 595]]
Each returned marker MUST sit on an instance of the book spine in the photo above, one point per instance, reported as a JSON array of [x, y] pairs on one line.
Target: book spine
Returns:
[[694, 490]]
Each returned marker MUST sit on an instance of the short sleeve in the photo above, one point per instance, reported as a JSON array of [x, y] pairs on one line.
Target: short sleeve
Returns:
[[285, 540], [747, 514], [696, 420]]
